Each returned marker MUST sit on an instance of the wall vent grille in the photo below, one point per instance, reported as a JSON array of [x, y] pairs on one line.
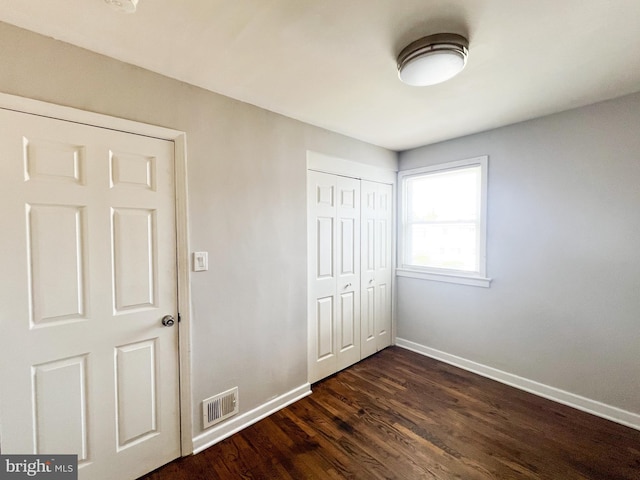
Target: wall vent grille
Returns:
[[221, 406]]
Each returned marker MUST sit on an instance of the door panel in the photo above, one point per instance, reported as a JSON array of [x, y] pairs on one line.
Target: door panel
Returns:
[[376, 266], [324, 250], [133, 237], [334, 273], [131, 170], [136, 391], [57, 275], [347, 246], [369, 256], [90, 243], [368, 252], [384, 219], [321, 240], [53, 161], [324, 329], [383, 328], [348, 281], [369, 310], [348, 325], [60, 393]]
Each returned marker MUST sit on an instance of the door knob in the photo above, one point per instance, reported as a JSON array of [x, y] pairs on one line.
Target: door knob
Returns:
[[168, 321]]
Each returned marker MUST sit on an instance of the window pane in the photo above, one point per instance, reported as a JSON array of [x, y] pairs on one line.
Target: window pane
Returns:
[[444, 246], [453, 195]]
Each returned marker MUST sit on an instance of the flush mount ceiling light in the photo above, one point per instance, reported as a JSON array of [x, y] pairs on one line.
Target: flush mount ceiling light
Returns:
[[124, 6], [433, 59]]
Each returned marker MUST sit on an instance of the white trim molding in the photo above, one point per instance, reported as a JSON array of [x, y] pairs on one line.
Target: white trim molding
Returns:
[[405, 268], [235, 424], [446, 278], [348, 168], [70, 114], [599, 409]]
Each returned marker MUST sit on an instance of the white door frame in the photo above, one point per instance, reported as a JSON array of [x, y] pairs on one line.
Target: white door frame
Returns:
[[36, 107], [320, 162]]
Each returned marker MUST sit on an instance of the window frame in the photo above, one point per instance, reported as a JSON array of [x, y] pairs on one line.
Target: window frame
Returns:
[[477, 278]]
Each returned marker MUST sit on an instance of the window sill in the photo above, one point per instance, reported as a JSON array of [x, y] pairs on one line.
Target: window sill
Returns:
[[444, 277]]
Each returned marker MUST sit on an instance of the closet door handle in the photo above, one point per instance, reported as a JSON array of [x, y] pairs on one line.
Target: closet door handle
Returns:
[[347, 285]]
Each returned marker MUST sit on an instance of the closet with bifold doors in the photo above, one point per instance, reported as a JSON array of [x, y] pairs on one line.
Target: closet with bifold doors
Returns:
[[350, 244]]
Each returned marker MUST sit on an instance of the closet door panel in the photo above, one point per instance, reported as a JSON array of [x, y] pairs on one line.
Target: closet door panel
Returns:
[[322, 282], [333, 238], [376, 254], [368, 248], [384, 223], [348, 260]]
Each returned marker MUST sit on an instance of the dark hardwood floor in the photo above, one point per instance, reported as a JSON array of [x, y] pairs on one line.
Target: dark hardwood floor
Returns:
[[399, 415]]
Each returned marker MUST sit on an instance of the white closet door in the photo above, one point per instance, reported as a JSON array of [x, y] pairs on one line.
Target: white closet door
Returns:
[[334, 273], [88, 256], [376, 261], [384, 253], [348, 269]]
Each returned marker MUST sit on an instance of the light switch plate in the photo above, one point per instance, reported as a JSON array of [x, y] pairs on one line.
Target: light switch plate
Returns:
[[200, 261]]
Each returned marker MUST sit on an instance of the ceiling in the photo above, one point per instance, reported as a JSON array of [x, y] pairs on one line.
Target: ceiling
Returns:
[[331, 63]]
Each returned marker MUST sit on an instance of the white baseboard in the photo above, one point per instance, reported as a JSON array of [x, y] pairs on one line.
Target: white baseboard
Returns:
[[235, 424], [594, 407]]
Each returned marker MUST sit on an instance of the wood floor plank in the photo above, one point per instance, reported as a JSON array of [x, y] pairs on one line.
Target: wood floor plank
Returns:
[[400, 415]]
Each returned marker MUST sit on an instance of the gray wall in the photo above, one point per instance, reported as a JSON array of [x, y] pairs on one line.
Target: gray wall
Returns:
[[563, 250], [247, 180]]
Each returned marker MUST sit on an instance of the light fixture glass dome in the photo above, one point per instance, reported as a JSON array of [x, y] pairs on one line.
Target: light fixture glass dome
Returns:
[[124, 6], [433, 59]]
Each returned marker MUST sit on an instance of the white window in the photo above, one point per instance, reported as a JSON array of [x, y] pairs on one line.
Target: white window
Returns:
[[443, 222]]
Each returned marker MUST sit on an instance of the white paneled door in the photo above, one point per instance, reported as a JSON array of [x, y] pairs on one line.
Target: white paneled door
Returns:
[[376, 254], [350, 244], [88, 256], [334, 270]]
